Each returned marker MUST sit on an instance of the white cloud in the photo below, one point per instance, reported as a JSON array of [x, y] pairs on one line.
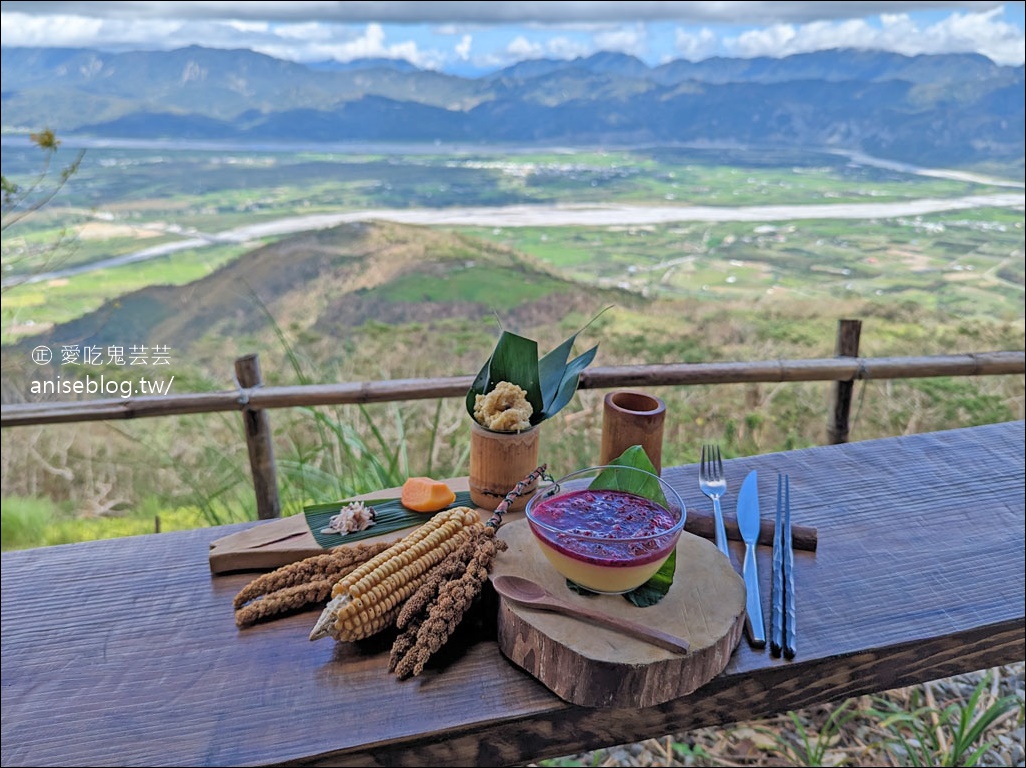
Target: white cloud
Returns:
[[695, 46], [522, 48], [497, 12], [309, 31], [958, 33], [565, 48], [632, 40], [71, 31], [981, 32]]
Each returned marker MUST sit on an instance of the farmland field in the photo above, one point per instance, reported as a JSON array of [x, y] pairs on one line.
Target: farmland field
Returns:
[[695, 291], [124, 200]]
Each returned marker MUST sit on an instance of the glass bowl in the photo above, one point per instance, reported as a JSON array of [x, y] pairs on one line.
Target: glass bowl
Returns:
[[608, 529]]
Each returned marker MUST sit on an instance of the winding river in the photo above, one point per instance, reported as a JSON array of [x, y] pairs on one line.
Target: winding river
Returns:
[[576, 215]]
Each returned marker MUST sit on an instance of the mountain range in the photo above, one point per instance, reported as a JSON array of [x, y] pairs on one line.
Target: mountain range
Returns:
[[951, 109]]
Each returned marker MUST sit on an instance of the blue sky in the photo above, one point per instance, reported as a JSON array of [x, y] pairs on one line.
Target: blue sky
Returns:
[[474, 37]]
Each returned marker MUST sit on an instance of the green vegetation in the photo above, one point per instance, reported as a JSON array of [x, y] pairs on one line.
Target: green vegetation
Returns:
[[34, 307], [388, 302], [952, 736], [147, 197], [35, 522], [963, 265], [897, 728], [465, 286]]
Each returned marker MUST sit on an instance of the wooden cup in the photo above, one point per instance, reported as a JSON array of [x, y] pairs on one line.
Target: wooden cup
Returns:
[[498, 461], [632, 418]]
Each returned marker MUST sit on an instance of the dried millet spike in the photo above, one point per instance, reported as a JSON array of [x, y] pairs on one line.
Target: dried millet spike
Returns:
[[453, 565], [415, 609], [283, 601], [446, 612], [337, 562], [367, 600], [404, 642]]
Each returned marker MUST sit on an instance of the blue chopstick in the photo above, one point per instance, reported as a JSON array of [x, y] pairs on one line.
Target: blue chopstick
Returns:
[[783, 621], [777, 585]]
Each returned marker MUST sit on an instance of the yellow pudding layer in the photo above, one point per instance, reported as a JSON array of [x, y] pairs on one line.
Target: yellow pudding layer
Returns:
[[600, 578]]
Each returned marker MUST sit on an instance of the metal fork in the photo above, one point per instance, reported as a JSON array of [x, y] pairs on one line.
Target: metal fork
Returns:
[[714, 485]]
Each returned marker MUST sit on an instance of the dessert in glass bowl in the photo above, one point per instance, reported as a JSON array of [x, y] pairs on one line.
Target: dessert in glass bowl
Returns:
[[608, 529]]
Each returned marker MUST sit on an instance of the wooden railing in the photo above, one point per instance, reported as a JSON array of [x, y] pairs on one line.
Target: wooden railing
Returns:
[[253, 399]]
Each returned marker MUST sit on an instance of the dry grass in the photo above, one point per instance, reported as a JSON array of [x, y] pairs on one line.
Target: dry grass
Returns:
[[854, 733]]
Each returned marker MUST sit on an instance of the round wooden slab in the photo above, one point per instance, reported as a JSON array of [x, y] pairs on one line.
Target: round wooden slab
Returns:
[[586, 664]]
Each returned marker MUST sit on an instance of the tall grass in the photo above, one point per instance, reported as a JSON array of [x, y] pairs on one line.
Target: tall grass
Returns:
[[326, 453]]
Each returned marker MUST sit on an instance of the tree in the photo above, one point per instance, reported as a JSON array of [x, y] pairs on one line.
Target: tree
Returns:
[[22, 200]]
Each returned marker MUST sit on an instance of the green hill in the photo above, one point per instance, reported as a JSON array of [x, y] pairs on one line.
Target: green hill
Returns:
[[321, 288]]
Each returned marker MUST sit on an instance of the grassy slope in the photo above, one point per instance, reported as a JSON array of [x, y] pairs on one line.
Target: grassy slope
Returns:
[[388, 301]]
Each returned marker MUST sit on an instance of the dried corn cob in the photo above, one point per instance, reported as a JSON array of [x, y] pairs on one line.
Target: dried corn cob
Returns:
[[368, 599]]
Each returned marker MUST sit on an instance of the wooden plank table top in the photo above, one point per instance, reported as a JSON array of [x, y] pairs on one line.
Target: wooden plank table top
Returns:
[[125, 652]]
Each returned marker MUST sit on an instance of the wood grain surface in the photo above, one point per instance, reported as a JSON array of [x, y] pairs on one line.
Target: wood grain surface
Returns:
[[125, 651], [597, 667]]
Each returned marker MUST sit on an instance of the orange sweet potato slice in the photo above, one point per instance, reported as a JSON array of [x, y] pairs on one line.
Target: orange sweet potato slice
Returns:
[[423, 494]]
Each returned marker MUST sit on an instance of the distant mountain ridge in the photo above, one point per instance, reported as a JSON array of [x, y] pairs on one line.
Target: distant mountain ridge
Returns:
[[953, 109]]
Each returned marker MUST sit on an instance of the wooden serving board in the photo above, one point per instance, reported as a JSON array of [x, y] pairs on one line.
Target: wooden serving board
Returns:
[[285, 540], [591, 666]]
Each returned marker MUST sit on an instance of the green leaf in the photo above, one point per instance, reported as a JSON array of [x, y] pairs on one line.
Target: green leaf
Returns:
[[389, 515], [550, 383], [559, 385], [514, 359], [655, 589], [629, 482], [573, 586]]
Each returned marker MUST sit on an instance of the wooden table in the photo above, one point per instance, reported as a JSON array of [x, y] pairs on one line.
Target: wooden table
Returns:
[[125, 652]]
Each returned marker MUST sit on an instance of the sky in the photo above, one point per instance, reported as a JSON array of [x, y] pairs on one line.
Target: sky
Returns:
[[471, 38]]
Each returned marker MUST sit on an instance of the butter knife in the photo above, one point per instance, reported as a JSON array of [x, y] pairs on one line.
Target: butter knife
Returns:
[[748, 523]]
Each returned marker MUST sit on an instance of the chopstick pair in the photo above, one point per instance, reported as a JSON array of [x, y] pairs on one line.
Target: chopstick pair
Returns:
[[782, 632]]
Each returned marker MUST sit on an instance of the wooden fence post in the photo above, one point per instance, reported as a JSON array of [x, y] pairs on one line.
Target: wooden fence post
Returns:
[[258, 441], [848, 332]]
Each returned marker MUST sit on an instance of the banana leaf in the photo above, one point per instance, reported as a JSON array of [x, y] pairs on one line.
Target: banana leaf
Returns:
[[559, 379], [515, 359], [631, 482], [550, 383]]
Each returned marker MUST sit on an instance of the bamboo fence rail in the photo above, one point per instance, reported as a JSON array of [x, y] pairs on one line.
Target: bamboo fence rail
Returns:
[[842, 369], [253, 399]]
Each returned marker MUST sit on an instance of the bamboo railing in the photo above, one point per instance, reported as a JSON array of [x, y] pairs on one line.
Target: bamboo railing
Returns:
[[672, 374], [253, 399]]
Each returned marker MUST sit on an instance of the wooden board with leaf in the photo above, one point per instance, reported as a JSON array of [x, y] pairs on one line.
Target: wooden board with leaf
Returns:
[[596, 667], [275, 543]]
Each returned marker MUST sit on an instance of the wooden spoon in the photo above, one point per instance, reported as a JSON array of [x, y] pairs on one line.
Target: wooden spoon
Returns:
[[527, 592]]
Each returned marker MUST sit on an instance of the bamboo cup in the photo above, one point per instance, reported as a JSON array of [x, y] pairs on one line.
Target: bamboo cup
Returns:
[[498, 461], [632, 418]]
